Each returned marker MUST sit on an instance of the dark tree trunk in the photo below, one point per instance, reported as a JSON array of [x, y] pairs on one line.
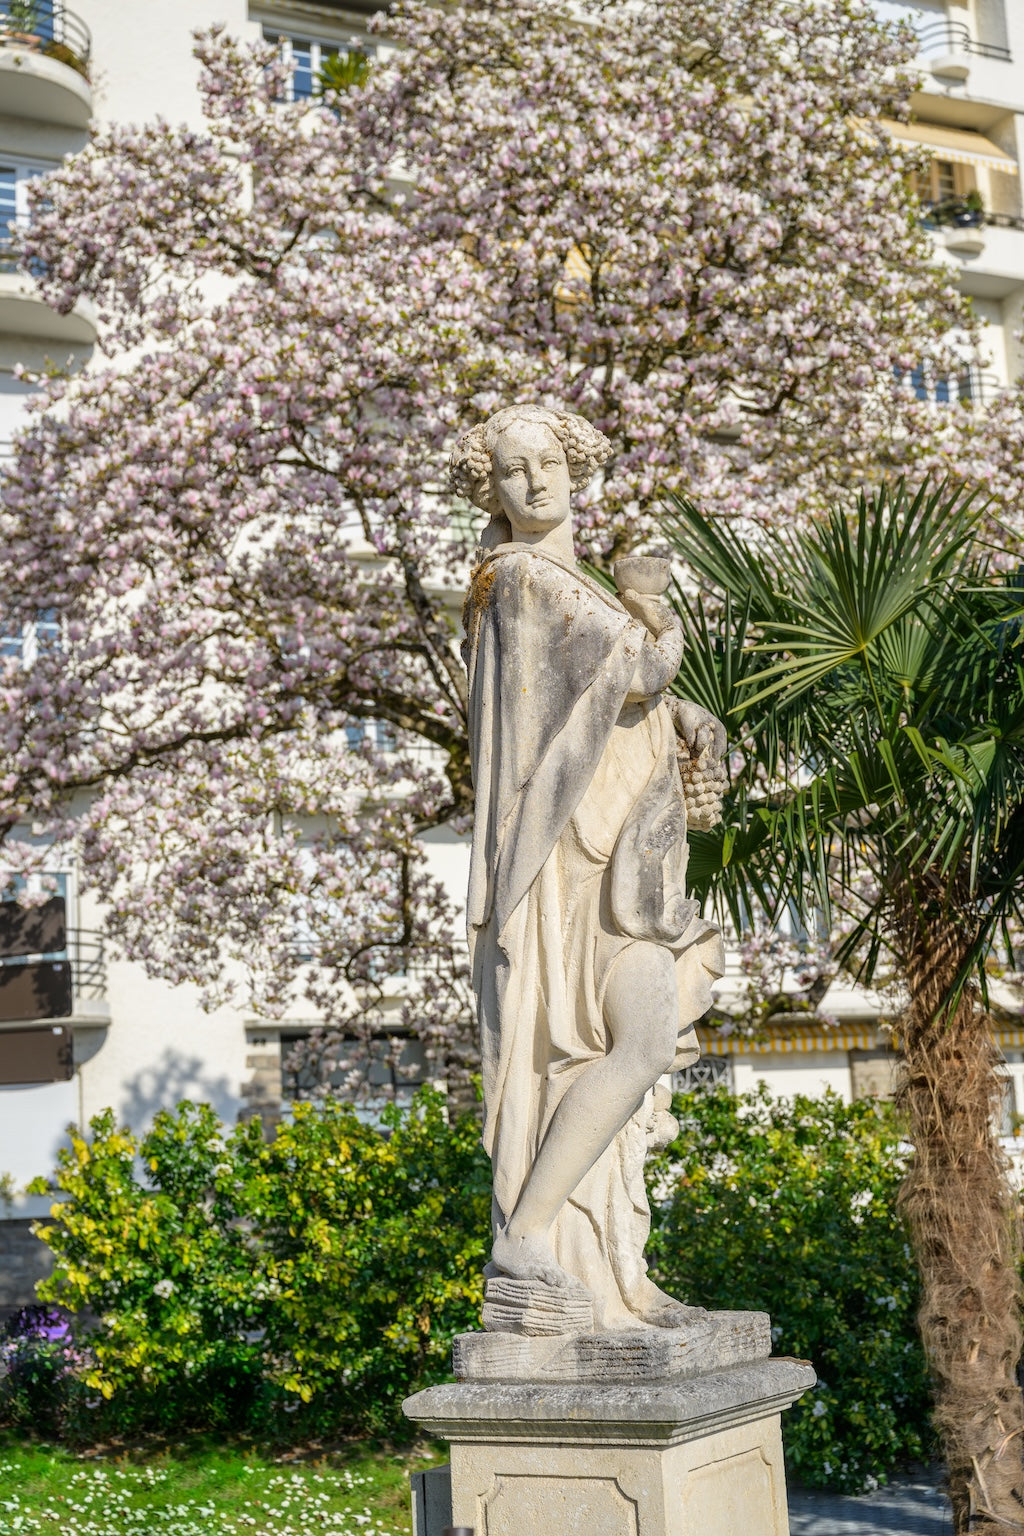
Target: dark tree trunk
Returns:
[[962, 1215]]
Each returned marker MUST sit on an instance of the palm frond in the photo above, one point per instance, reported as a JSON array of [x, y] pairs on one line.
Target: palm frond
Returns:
[[873, 670]]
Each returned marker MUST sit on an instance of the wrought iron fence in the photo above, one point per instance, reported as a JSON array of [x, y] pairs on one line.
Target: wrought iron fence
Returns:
[[47, 27]]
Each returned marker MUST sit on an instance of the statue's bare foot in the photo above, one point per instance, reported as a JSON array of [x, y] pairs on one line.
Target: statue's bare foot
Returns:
[[656, 1307], [527, 1258]]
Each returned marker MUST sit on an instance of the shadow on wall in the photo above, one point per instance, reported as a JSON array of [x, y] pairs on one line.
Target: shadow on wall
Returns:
[[172, 1078]]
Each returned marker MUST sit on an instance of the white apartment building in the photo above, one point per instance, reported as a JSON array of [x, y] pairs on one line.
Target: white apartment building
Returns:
[[135, 1044]]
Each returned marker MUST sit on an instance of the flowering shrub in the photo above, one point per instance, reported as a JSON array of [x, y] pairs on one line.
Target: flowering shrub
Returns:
[[789, 1207], [311, 1281], [40, 1368]]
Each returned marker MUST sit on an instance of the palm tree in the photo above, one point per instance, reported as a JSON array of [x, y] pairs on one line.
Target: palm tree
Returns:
[[871, 672]]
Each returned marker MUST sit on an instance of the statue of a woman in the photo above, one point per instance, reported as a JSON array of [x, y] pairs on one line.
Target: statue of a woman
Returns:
[[590, 964]]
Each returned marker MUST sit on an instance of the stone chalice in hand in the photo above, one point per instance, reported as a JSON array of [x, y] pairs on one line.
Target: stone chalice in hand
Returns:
[[642, 581]]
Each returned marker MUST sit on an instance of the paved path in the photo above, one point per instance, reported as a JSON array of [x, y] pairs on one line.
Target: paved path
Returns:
[[909, 1506]]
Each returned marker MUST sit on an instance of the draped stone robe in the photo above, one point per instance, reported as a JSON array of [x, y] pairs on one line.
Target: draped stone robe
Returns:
[[579, 852]]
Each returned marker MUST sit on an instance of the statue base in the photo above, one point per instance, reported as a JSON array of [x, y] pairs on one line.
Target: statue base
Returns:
[[628, 1355], [697, 1455]]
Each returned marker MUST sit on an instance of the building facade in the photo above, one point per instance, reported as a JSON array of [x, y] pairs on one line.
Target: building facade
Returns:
[[135, 1044]]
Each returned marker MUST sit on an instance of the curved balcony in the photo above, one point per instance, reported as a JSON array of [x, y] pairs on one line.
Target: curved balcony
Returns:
[[949, 47], [939, 37], [24, 311], [962, 226], [974, 386], [70, 983], [44, 63]]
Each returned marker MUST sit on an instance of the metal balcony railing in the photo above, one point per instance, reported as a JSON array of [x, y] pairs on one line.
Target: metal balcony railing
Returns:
[[85, 953], [10, 260], [88, 955], [937, 37], [980, 387], [959, 213], [11, 257], [47, 27], [395, 963], [974, 386], [952, 213]]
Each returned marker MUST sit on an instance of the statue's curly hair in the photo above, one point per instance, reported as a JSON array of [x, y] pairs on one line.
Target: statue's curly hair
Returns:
[[471, 474]]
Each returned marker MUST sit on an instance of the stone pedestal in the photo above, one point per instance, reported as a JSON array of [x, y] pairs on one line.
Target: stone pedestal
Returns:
[[699, 1455]]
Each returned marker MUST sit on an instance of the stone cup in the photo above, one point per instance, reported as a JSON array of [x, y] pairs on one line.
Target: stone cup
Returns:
[[647, 574]]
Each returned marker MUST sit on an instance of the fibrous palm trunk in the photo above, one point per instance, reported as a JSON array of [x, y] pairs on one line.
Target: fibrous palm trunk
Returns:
[[963, 1221]]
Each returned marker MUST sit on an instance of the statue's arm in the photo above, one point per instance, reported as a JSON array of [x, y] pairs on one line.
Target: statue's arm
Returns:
[[662, 649]]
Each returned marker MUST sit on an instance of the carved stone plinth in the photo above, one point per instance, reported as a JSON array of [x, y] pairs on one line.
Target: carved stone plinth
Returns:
[[700, 1456], [630, 1355]]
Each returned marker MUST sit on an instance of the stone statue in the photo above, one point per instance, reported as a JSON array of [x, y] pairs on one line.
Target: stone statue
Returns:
[[590, 963]]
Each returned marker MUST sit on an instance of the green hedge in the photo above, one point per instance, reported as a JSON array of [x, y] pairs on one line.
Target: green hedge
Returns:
[[306, 1284], [788, 1207]]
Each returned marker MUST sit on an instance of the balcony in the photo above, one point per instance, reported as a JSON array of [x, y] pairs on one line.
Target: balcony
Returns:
[[948, 46], [44, 63], [69, 983], [966, 229], [974, 386], [24, 311]]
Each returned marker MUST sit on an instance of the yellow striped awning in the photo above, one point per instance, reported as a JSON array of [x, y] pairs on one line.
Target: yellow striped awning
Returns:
[[790, 1041], [959, 144]]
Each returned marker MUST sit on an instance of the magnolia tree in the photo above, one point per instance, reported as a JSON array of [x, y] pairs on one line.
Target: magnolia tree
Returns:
[[684, 222]]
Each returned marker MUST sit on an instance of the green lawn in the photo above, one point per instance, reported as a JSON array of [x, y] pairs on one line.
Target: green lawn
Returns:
[[204, 1490]]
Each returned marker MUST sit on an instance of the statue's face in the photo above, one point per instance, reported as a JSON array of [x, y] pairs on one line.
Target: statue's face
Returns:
[[531, 477]]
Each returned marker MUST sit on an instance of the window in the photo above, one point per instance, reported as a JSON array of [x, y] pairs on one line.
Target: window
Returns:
[[15, 179], [944, 179], [388, 1068], [944, 389], [35, 969], [35, 18], [49, 884], [944, 182], [378, 733], [26, 642], [307, 57], [41, 1055]]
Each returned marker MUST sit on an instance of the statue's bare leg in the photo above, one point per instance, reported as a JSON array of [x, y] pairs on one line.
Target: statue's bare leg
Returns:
[[641, 1013]]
